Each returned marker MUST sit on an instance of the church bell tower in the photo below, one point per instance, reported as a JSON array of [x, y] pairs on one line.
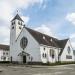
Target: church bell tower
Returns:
[[15, 29]]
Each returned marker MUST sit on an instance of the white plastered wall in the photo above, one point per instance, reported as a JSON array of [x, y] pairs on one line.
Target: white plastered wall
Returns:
[[65, 52], [32, 48]]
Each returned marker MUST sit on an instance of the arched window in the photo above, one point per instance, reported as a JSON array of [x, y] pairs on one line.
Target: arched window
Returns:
[[43, 55], [69, 50], [12, 23], [19, 22], [52, 53], [23, 42]]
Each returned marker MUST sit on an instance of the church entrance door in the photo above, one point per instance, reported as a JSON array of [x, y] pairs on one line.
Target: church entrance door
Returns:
[[24, 59]]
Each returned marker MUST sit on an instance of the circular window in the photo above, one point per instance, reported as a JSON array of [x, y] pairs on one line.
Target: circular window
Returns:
[[23, 42]]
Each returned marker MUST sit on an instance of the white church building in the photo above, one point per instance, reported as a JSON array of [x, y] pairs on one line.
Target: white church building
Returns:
[[28, 45]]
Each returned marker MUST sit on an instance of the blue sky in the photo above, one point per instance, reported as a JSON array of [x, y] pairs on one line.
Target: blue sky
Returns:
[[55, 17]]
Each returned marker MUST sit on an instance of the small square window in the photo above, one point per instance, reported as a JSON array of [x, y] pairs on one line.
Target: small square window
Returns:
[[6, 53], [13, 23], [19, 27], [12, 27], [4, 58]]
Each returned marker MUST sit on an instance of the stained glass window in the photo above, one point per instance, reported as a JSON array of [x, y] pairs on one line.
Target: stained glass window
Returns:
[[23, 42]]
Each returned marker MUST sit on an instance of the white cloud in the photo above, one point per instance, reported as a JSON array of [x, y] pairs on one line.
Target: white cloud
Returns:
[[4, 35], [71, 18], [25, 3], [44, 29], [8, 7], [72, 36], [25, 19], [43, 4], [73, 45]]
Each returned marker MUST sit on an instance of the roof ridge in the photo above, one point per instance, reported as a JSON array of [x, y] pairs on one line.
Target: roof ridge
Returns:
[[41, 33], [64, 39], [4, 45], [17, 17]]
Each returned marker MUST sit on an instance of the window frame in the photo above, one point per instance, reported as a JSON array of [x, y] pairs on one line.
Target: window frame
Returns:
[[13, 27], [69, 50], [3, 53], [52, 53], [19, 23]]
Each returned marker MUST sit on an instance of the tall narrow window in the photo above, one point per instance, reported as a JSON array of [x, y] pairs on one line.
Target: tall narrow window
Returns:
[[45, 55], [52, 53], [23, 42], [6, 53], [19, 22], [69, 50], [12, 23]]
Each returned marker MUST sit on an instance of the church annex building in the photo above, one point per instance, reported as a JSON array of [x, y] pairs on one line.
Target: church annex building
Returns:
[[28, 45]]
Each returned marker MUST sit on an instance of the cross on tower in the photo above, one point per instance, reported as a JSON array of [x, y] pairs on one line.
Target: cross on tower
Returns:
[[17, 11]]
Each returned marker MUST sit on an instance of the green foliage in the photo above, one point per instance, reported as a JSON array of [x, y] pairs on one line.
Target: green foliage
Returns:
[[59, 63]]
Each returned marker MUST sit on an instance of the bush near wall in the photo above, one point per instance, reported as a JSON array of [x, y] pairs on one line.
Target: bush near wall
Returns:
[[4, 62], [60, 63]]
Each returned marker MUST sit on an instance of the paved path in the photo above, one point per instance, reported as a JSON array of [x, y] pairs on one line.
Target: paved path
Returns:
[[38, 70]]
